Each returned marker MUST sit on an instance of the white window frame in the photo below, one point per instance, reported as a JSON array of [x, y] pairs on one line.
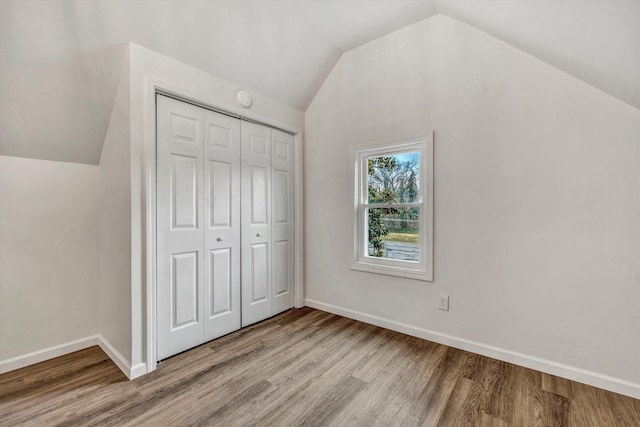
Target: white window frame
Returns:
[[423, 269]]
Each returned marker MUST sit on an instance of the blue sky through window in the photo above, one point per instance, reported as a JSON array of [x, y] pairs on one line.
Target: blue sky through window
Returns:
[[408, 156]]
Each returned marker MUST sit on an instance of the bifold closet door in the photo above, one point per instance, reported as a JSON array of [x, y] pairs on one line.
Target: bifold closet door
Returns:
[[222, 305], [267, 222], [198, 226], [282, 227], [256, 223], [179, 226], [225, 230]]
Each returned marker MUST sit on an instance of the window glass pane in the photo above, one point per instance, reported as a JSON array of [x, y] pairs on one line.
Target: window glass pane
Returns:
[[394, 178], [394, 233]]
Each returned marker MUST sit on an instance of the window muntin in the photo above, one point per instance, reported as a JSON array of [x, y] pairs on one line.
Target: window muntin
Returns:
[[393, 220]]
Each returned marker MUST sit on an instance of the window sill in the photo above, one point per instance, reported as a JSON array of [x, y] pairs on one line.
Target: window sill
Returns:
[[370, 267]]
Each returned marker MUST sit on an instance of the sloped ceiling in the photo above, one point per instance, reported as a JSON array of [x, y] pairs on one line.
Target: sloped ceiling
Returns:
[[597, 41], [60, 60]]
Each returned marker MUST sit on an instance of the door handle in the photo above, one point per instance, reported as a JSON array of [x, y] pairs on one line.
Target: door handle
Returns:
[[258, 234], [219, 239]]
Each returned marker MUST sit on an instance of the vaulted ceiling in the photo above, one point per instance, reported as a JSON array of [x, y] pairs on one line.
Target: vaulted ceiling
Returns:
[[60, 60]]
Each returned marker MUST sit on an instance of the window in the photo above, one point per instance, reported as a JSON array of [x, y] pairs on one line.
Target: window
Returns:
[[393, 215]]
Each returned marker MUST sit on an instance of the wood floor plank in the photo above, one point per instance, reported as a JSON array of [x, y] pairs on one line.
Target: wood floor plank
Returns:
[[429, 407], [385, 351], [423, 368], [384, 396], [557, 385], [328, 407], [320, 367], [463, 407], [307, 367]]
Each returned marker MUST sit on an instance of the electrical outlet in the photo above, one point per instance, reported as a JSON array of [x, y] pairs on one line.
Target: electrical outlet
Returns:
[[444, 302]]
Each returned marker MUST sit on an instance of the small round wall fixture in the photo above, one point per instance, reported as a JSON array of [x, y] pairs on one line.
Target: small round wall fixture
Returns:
[[244, 98]]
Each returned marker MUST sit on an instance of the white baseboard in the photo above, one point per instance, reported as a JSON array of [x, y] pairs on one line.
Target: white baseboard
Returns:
[[48, 353], [131, 372], [117, 358], [69, 347], [595, 379]]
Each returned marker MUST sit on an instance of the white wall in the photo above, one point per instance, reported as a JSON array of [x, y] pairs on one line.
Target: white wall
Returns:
[[199, 85], [48, 256], [115, 227], [537, 201]]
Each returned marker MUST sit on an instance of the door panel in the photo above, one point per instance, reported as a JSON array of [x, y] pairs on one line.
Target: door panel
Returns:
[[280, 196], [280, 267], [184, 289], [259, 143], [283, 225], [259, 282], [178, 228], [281, 147], [259, 190], [184, 191], [222, 233], [185, 127], [221, 283], [221, 194], [222, 136], [256, 223]]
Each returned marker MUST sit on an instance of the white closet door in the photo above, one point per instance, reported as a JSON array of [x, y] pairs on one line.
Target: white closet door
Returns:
[[282, 227], [222, 225], [225, 231], [256, 223], [179, 226]]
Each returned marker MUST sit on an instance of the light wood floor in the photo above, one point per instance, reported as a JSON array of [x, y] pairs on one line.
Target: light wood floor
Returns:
[[307, 367]]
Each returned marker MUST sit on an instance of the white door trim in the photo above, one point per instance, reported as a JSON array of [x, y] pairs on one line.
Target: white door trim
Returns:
[[151, 86]]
